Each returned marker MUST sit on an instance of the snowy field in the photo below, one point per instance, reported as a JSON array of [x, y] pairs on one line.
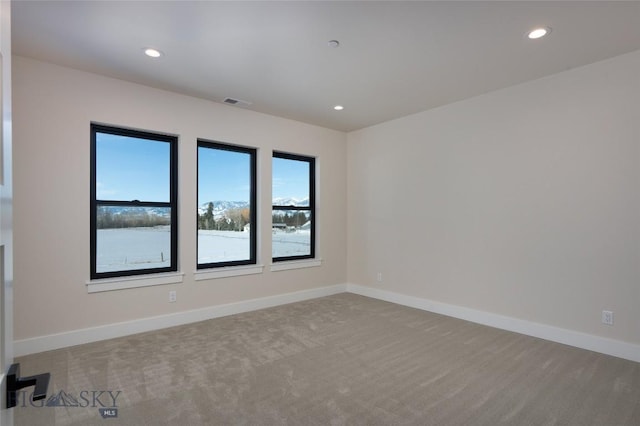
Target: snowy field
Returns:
[[291, 243], [133, 248], [227, 246], [222, 246], [144, 248]]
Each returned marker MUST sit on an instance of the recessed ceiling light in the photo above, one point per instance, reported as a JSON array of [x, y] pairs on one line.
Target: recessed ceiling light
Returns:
[[338, 107], [152, 53], [334, 43], [538, 32]]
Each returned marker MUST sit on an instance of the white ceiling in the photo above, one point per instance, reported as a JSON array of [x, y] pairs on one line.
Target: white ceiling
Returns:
[[395, 58]]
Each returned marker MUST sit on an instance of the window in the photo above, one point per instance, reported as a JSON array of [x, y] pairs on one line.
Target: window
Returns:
[[293, 207], [133, 202], [226, 205]]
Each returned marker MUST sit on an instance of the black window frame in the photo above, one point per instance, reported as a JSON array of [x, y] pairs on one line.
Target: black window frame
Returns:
[[253, 201], [311, 208], [172, 204]]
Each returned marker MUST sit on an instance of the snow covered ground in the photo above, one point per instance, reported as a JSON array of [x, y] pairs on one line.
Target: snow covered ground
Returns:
[[222, 246], [143, 248], [227, 246], [133, 248], [296, 243]]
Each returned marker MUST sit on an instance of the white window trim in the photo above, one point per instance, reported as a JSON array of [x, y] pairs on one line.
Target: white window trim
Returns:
[[295, 264], [227, 271], [134, 281]]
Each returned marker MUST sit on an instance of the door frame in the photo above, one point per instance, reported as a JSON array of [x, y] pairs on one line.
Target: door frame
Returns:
[[6, 213]]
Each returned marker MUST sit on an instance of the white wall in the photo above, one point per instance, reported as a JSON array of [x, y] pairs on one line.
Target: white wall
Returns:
[[53, 107], [524, 202]]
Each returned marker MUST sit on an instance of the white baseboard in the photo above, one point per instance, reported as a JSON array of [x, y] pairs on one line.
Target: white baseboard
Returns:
[[590, 342], [109, 331]]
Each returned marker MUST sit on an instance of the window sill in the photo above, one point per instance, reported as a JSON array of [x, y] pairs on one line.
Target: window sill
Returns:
[[295, 264], [229, 271], [122, 283]]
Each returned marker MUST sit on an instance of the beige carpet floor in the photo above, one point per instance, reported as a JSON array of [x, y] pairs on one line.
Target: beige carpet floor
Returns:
[[338, 360]]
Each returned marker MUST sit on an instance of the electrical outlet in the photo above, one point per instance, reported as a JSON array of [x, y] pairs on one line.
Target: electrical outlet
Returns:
[[172, 296], [607, 317], [379, 277]]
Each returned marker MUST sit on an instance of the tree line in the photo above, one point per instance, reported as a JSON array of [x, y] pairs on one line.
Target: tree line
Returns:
[[296, 219], [106, 219], [234, 219]]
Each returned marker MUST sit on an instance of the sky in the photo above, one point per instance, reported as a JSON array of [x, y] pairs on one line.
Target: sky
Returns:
[[290, 179], [129, 168], [223, 175]]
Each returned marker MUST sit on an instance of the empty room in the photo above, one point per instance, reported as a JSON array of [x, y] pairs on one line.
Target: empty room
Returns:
[[320, 213]]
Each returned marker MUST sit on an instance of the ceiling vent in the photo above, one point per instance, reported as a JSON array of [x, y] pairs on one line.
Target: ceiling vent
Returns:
[[236, 102]]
